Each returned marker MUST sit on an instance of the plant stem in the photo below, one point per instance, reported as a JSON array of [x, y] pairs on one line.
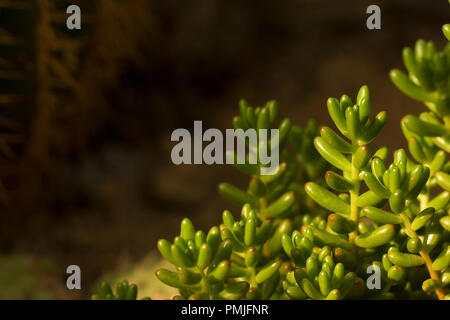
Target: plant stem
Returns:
[[353, 216], [354, 211], [253, 283], [203, 283], [425, 256], [424, 197], [447, 122], [262, 208]]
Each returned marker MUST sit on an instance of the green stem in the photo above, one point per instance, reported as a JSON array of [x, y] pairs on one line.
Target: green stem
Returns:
[[262, 208], [424, 198], [203, 281], [387, 287], [425, 256], [354, 210], [252, 281], [447, 122]]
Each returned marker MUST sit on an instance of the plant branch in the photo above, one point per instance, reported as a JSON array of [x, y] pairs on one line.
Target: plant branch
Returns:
[[354, 211], [425, 256]]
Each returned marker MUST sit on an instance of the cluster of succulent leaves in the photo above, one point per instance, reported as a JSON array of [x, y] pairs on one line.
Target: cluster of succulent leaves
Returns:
[[244, 258], [124, 291], [374, 215]]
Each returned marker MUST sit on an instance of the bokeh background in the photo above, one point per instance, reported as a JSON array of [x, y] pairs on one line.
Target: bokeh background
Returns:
[[86, 116]]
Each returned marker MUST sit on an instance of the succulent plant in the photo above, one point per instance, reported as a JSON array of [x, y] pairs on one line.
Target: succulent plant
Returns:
[[124, 291], [373, 214], [244, 258]]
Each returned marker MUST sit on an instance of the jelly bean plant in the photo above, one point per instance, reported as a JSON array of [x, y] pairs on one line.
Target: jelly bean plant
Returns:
[[336, 219]]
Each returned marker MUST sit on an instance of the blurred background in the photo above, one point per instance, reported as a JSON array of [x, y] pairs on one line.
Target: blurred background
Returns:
[[86, 116]]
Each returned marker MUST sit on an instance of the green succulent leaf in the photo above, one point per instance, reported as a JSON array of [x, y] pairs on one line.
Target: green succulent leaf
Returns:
[[422, 218], [281, 205], [377, 237], [268, 271], [423, 128], [446, 31], [332, 155], [381, 216], [409, 88], [443, 260], [404, 259], [337, 182], [329, 239], [443, 179], [335, 141], [375, 185], [237, 195], [374, 128], [327, 199]]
